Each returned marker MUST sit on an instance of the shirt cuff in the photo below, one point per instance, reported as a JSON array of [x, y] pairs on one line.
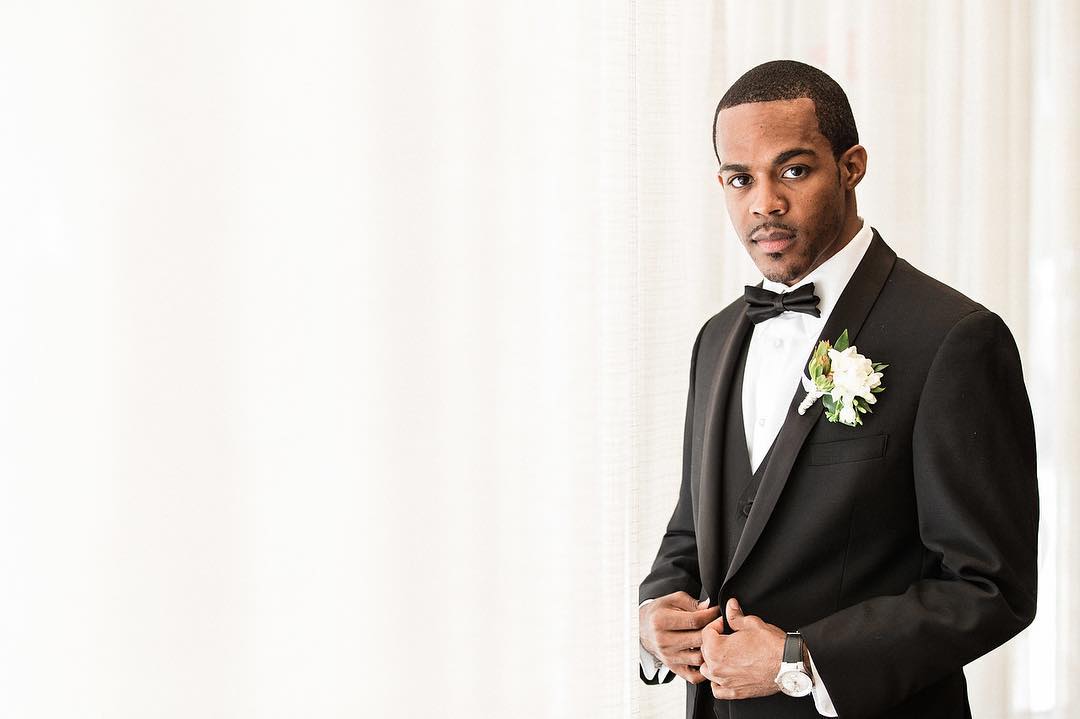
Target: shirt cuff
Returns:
[[650, 665], [822, 701]]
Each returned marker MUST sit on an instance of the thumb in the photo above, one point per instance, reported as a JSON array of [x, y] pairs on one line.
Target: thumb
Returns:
[[734, 614]]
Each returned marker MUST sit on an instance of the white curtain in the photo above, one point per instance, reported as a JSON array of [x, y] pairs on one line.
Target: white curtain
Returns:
[[345, 346]]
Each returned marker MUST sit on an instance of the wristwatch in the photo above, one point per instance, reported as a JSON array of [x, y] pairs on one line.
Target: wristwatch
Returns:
[[793, 679]]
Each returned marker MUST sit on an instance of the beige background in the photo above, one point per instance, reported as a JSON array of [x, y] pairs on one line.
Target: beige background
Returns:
[[344, 346]]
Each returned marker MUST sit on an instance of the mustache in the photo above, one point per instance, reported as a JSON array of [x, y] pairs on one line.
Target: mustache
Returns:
[[771, 226]]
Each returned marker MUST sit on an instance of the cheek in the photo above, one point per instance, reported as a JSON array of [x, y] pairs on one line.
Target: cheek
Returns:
[[734, 210], [824, 206], [833, 214], [729, 200]]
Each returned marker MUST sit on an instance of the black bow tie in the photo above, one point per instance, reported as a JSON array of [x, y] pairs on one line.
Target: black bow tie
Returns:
[[765, 304]]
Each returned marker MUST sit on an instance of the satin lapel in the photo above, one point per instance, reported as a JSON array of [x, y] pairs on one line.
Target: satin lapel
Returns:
[[849, 313], [709, 539]]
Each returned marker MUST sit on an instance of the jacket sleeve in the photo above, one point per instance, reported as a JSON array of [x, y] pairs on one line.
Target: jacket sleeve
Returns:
[[676, 565], [973, 462]]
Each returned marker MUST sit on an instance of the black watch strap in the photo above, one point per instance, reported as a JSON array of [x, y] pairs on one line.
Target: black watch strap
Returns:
[[793, 645]]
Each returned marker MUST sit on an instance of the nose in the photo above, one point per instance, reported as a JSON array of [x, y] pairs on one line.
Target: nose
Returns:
[[767, 200]]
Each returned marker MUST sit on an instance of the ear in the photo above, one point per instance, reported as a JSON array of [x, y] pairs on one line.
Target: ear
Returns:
[[852, 166]]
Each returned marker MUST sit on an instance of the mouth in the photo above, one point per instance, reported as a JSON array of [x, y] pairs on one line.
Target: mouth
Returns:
[[774, 241]]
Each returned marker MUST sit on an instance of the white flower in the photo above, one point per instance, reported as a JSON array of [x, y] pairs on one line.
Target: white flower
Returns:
[[853, 376], [846, 379]]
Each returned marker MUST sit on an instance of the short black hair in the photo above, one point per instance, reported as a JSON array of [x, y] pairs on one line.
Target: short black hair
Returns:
[[791, 80]]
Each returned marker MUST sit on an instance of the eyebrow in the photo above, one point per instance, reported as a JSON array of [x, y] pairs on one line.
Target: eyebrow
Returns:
[[780, 159]]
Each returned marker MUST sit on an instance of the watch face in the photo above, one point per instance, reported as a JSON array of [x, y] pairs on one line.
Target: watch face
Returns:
[[795, 683]]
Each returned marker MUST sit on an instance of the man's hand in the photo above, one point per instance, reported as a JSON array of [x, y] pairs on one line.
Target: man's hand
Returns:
[[670, 629], [743, 664]]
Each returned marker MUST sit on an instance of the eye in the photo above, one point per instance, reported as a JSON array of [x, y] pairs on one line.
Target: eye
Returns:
[[739, 180], [795, 172]]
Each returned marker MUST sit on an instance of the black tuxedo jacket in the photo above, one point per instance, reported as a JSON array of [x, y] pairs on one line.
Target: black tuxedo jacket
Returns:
[[902, 549]]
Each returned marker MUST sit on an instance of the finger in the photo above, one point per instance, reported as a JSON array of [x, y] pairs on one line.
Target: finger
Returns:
[[734, 614], [679, 600], [686, 658], [722, 693], [676, 620], [670, 642], [690, 674], [703, 617], [704, 603], [716, 625], [707, 670]]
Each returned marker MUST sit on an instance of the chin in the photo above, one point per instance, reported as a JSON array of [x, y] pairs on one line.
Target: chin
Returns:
[[783, 267], [774, 271]]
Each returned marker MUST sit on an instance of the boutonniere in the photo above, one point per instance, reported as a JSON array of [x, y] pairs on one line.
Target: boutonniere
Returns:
[[844, 380]]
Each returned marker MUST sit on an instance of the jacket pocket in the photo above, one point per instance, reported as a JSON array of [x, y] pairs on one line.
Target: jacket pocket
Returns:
[[847, 450]]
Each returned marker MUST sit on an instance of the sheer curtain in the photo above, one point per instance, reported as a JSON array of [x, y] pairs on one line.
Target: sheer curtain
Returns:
[[346, 345]]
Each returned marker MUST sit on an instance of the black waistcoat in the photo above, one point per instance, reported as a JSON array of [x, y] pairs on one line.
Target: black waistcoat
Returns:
[[739, 488]]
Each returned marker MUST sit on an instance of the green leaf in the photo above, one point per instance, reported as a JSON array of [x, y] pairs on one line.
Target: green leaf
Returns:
[[878, 366], [842, 342]]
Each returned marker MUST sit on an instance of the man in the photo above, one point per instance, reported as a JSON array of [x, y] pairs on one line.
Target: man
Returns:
[[843, 543]]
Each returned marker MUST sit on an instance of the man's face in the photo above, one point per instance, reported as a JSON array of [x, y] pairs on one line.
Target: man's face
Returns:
[[782, 186]]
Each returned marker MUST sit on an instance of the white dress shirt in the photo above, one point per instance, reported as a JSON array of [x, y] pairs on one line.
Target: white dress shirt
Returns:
[[780, 348]]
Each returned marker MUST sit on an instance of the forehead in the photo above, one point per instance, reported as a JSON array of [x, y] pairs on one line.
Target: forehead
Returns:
[[758, 131]]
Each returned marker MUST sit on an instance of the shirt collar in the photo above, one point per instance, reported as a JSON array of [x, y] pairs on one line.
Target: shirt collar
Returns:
[[831, 276]]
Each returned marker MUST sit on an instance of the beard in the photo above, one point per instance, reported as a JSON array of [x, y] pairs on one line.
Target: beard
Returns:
[[810, 247]]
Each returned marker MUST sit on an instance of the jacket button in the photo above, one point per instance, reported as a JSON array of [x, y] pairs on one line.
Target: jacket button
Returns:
[[745, 509]]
